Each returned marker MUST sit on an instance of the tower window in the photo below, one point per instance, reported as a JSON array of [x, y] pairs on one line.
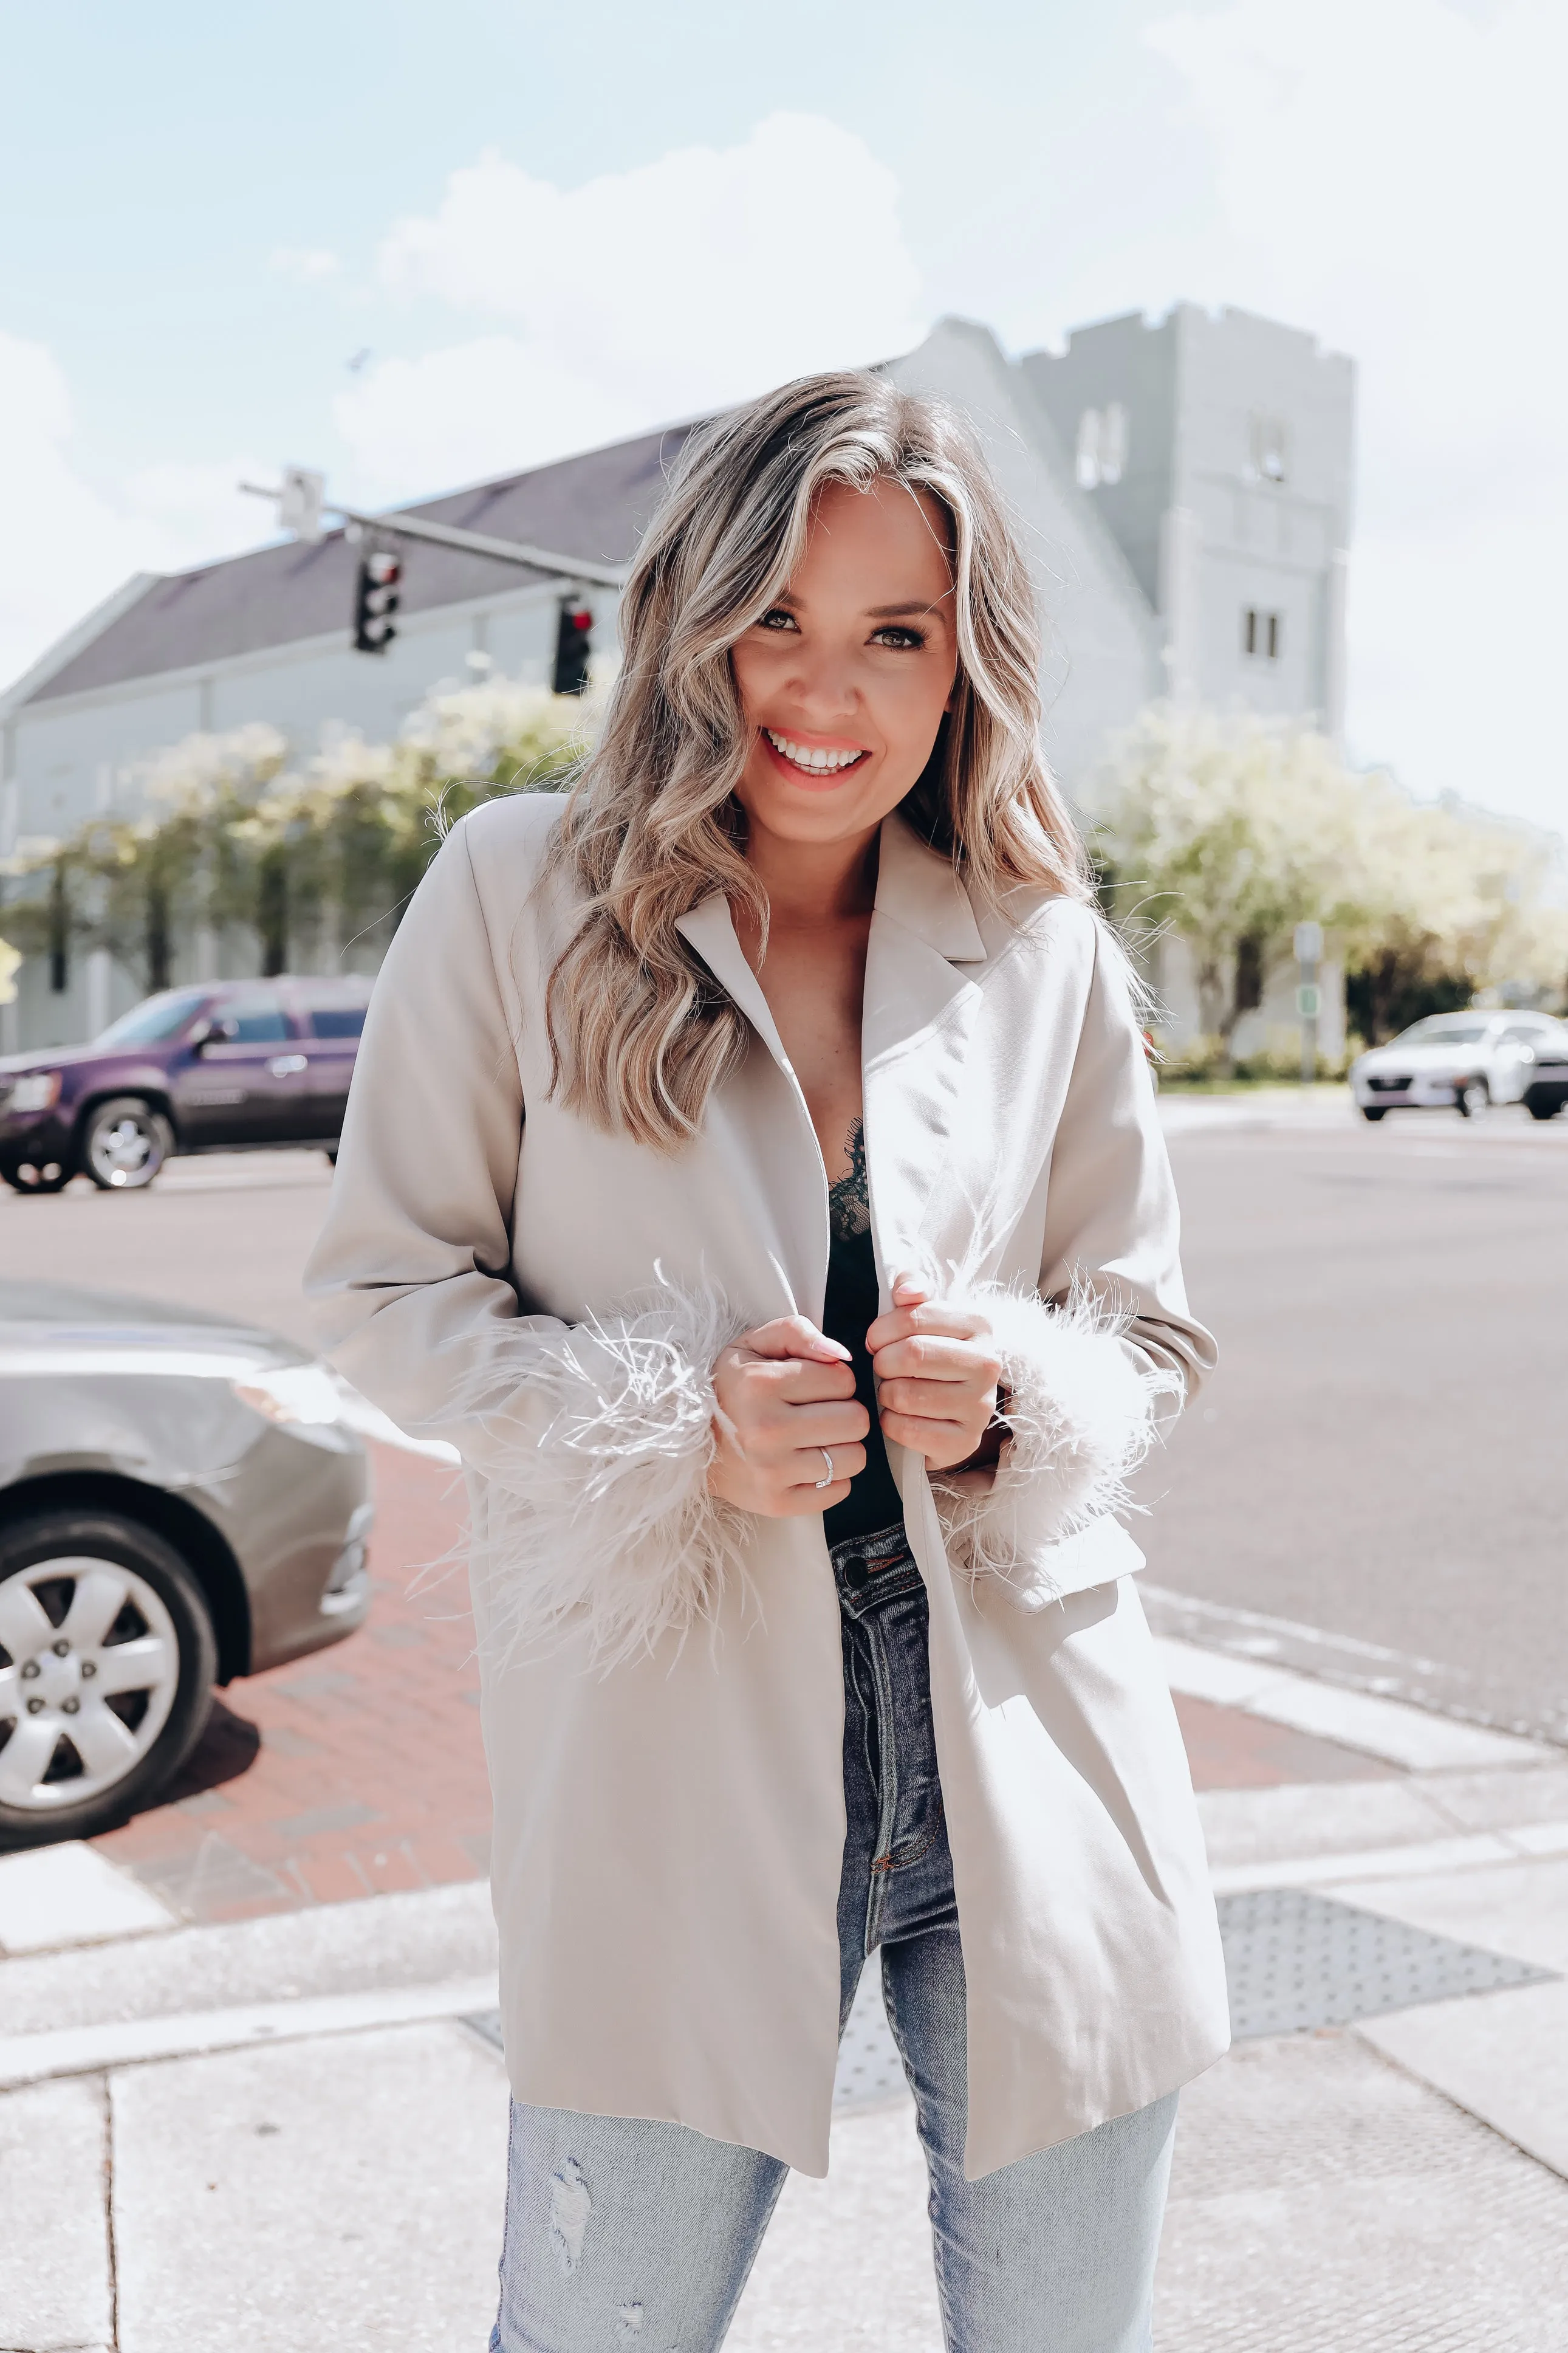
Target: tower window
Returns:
[[1268, 448], [1101, 455], [1261, 633]]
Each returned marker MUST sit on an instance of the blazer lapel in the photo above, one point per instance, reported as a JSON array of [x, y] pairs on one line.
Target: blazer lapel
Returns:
[[711, 932], [920, 1009]]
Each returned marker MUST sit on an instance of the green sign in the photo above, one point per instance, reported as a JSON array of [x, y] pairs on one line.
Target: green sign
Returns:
[[1309, 1001]]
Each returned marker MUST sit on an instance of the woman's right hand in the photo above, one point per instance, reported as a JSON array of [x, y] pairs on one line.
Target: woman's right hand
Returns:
[[786, 1396]]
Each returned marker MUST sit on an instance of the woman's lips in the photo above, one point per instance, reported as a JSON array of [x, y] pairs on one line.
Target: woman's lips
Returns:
[[836, 765]]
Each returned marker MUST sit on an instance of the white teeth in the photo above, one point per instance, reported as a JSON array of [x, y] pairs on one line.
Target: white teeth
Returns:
[[804, 756]]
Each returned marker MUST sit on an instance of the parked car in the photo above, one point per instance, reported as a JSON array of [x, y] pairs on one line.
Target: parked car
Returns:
[[1462, 1061], [226, 1066], [181, 1501]]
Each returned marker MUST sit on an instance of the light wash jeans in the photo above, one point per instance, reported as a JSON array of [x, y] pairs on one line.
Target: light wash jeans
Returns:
[[624, 2231]]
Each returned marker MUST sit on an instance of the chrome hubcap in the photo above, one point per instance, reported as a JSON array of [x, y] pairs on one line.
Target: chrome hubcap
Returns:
[[90, 1664], [122, 1151]]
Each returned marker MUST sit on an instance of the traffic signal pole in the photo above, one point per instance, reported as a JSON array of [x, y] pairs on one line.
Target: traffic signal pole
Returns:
[[478, 543], [446, 534]]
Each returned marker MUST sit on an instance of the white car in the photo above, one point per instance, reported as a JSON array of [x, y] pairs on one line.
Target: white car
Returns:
[[1462, 1061]]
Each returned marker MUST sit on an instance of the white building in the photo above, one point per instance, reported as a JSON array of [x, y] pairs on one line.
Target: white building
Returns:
[[1183, 489]]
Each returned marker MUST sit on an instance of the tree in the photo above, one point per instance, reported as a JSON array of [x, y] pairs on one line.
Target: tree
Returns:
[[227, 835], [1460, 902], [351, 832], [1229, 831]]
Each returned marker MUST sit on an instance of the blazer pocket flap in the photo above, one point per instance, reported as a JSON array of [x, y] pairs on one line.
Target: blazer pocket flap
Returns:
[[1096, 1554]]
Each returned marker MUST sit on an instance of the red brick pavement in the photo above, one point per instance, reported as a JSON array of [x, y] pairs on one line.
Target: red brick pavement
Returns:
[[356, 1771], [359, 1770], [1229, 1750]]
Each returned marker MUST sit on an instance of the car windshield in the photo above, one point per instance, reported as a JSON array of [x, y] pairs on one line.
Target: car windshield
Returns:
[[337, 1021], [156, 1019], [1438, 1032]]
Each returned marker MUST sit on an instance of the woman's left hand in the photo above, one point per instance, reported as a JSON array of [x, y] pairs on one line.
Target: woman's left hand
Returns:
[[937, 1371]]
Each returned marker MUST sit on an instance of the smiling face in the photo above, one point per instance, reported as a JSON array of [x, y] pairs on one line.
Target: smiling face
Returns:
[[843, 682]]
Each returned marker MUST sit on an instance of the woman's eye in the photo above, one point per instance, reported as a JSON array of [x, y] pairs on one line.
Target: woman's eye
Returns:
[[898, 638], [777, 618]]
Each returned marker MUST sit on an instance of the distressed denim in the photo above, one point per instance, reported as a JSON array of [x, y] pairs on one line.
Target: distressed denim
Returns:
[[620, 2231]]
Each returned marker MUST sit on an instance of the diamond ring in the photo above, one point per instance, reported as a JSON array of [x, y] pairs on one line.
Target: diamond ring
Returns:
[[831, 1474]]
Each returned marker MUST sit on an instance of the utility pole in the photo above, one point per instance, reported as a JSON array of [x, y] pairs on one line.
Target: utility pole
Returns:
[[1309, 999]]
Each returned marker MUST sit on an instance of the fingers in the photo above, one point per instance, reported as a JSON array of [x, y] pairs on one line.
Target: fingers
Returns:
[[937, 1317], [795, 1383], [810, 1465], [795, 1502], [925, 1358], [834, 1424], [769, 1384], [794, 1336], [936, 1401], [939, 1441], [792, 1486]]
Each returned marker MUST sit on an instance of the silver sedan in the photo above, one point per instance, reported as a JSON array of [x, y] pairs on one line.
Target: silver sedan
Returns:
[[182, 1500], [1463, 1061]]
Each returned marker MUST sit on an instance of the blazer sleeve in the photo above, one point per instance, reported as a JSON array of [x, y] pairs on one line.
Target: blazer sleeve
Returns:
[[1102, 1351], [589, 1444]]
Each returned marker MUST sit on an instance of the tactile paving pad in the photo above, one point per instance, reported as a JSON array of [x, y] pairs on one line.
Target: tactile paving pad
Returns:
[[870, 2067], [1296, 1960]]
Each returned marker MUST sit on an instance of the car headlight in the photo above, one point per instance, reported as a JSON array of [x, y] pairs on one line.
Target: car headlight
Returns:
[[291, 1393], [35, 1090]]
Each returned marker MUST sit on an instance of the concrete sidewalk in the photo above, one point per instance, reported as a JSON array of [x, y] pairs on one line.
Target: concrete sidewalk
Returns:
[[283, 2131]]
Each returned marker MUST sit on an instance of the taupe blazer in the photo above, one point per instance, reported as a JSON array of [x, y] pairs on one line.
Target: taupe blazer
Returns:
[[662, 1684]]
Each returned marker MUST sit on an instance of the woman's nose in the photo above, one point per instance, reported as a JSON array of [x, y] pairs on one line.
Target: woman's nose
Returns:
[[824, 684]]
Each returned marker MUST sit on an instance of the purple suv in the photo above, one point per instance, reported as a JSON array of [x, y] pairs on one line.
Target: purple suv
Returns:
[[223, 1067]]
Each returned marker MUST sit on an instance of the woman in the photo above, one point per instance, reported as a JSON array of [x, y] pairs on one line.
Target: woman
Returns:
[[753, 1168]]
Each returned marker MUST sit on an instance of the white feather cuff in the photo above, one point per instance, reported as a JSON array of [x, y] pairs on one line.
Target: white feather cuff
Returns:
[[1081, 1412], [595, 1509]]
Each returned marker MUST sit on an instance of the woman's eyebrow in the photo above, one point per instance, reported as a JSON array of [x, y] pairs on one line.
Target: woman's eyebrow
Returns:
[[896, 612]]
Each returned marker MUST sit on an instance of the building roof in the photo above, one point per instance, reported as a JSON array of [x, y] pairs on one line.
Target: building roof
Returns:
[[594, 507]]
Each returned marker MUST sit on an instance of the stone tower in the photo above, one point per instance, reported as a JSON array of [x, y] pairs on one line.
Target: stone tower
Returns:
[[1218, 452]]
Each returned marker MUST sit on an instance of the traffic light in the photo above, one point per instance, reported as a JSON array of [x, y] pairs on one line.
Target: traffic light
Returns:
[[572, 640], [375, 600]]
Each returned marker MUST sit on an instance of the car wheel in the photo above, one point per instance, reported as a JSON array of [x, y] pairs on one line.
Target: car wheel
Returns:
[[1471, 1097], [1374, 1110], [124, 1144], [37, 1175], [1543, 1106], [107, 1665]]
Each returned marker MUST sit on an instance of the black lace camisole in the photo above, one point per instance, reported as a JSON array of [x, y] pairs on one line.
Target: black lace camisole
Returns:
[[873, 1502]]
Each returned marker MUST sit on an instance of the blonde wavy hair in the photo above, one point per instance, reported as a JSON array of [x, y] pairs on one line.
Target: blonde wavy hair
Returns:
[[640, 1032]]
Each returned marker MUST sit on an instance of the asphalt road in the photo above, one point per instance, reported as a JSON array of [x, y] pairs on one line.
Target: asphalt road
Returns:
[[1383, 1454], [1376, 1482]]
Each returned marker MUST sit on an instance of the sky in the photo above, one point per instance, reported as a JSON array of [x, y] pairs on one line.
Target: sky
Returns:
[[416, 244]]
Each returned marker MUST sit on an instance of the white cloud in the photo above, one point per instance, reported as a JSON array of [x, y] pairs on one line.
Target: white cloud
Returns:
[[640, 296], [1395, 176], [471, 409], [67, 545], [307, 263], [200, 509]]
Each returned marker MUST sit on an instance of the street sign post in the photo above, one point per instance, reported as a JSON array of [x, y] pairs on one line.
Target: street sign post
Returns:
[[1309, 947]]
